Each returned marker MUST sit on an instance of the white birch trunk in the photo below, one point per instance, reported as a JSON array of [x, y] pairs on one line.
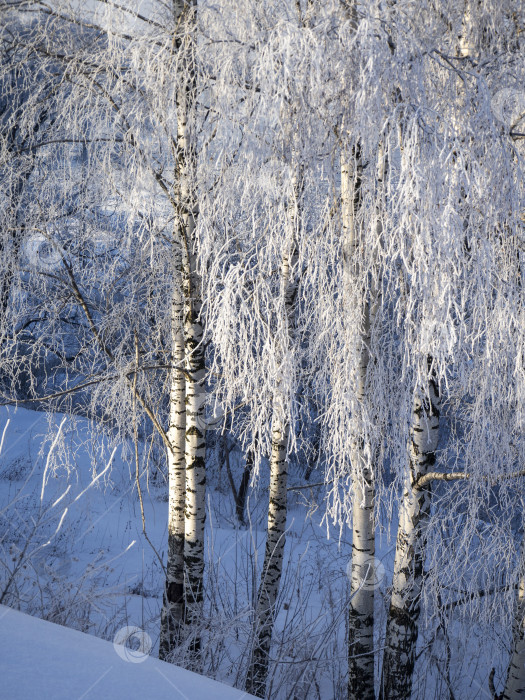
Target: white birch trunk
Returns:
[[278, 495], [515, 683], [195, 452], [172, 616], [273, 561], [403, 614], [195, 438], [361, 608]]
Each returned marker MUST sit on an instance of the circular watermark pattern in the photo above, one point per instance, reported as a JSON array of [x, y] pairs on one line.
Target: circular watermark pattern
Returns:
[[210, 417], [103, 241], [43, 253], [132, 644], [508, 105], [368, 575]]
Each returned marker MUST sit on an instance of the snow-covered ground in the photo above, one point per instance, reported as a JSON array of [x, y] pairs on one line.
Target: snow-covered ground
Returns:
[[41, 660], [88, 566]]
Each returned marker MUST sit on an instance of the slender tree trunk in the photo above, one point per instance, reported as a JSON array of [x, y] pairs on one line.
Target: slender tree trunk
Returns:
[[277, 508], [403, 617], [172, 616], [10, 244], [10, 250], [239, 496], [361, 608], [515, 683], [403, 614], [195, 451], [273, 561]]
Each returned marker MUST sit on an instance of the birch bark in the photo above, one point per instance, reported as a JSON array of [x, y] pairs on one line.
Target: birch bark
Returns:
[[173, 612], [195, 435], [515, 683], [195, 450], [361, 609], [363, 574], [273, 561], [403, 614]]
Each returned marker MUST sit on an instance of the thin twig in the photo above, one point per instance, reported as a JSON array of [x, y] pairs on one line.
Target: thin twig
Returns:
[[136, 446]]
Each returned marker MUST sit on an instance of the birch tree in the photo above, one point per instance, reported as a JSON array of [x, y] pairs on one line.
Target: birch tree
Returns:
[[361, 608], [277, 507], [186, 466], [130, 113], [173, 613], [363, 452], [402, 625], [408, 571], [424, 362], [253, 311], [403, 614]]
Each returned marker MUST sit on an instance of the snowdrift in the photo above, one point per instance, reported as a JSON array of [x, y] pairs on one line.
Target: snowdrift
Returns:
[[39, 659]]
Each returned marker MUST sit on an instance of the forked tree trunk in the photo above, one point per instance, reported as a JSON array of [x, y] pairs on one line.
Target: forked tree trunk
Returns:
[[186, 432], [407, 583], [277, 508], [240, 495]]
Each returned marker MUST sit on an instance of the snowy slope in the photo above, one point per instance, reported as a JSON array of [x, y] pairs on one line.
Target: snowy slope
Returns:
[[39, 659]]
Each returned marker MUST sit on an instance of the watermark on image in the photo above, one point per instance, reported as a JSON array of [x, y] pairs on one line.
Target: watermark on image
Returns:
[[209, 416], [508, 106], [44, 253], [132, 644], [368, 575]]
